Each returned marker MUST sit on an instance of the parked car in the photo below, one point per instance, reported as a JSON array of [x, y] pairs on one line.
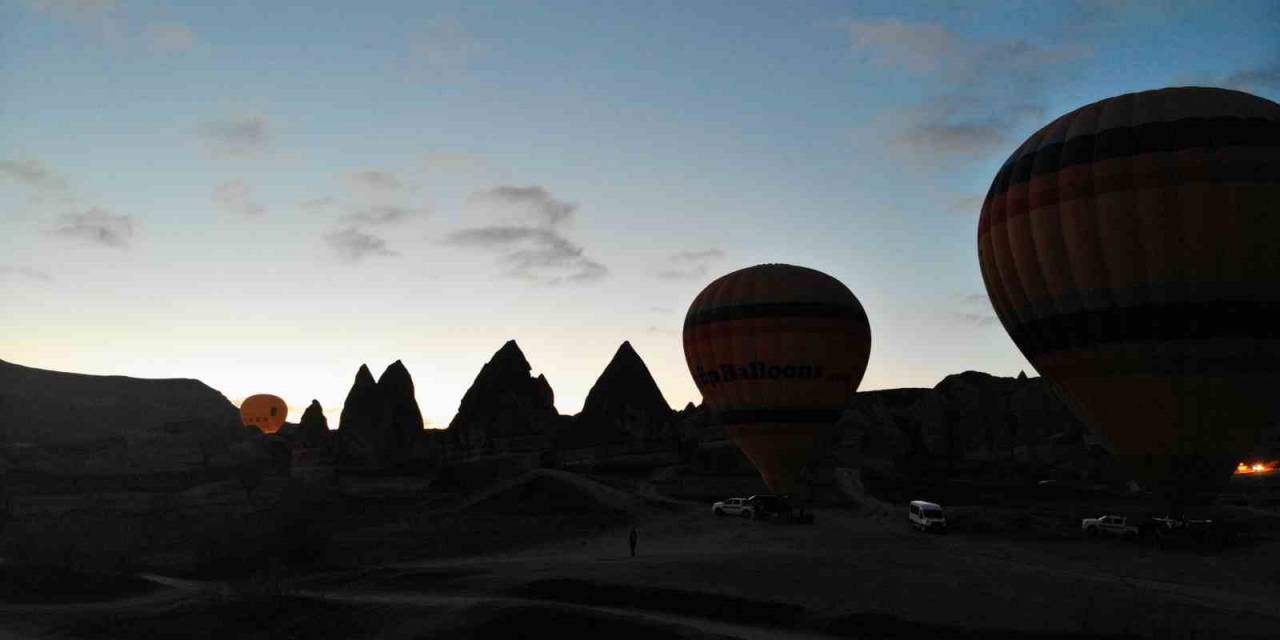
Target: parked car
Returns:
[[1111, 525], [770, 506], [926, 516], [734, 507]]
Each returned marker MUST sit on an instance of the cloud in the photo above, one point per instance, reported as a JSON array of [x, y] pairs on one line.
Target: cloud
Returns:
[[234, 196], [169, 37], [27, 273], [977, 310], [323, 202], [386, 214], [531, 202], [99, 227], [986, 88], [697, 256], [967, 204], [532, 253], [35, 175], [684, 265], [1258, 78], [976, 319], [683, 274], [376, 180], [354, 245], [442, 46], [74, 9], [535, 248], [240, 136]]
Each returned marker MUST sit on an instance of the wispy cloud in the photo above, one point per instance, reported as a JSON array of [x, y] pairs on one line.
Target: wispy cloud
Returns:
[[98, 227], [386, 214], [35, 175], [354, 245], [532, 253], [319, 204], [1259, 78], [239, 136], [684, 265], [534, 203], [168, 37], [986, 87], [975, 309], [375, 180], [25, 273], [234, 196], [967, 204], [83, 10]]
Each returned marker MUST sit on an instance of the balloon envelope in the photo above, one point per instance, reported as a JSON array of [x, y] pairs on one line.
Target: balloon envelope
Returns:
[[1131, 248], [777, 351], [264, 411]]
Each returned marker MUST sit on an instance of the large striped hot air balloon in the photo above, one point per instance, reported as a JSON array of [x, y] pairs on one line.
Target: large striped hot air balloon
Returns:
[[264, 411], [1131, 248], [776, 351]]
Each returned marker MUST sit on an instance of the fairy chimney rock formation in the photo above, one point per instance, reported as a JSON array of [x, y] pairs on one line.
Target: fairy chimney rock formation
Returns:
[[624, 405], [380, 423], [506, 408]]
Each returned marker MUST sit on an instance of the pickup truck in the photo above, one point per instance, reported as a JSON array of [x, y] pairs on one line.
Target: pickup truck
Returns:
[[1112, 525]]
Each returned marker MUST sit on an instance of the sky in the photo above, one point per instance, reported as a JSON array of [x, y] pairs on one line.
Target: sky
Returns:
[[264, 196]]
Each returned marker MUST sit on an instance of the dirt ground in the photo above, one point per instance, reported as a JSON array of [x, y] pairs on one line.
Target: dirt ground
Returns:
[[699, 576]]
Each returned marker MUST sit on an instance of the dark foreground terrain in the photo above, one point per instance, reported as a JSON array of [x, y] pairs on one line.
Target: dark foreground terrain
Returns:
[[548, 554]]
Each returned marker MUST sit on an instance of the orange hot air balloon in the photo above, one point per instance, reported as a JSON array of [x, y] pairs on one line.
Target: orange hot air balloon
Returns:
[[264, 411], [777, 351], [1131, 248]]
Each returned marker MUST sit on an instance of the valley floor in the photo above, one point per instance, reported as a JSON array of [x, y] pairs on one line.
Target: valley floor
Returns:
[[697, 575]]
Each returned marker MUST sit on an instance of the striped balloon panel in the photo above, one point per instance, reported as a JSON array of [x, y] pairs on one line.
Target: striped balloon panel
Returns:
[[1132, 250], [776, 351]]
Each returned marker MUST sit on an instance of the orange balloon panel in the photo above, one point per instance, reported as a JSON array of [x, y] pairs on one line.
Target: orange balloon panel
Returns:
[[1132, 250], [266, 412], [777, 351]]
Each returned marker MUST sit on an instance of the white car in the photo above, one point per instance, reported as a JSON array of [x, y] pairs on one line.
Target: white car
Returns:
[[1114, 525], [734, 507], [926, 516]]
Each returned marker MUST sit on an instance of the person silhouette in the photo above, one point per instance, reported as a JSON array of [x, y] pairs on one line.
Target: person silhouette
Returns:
[[632, 540]]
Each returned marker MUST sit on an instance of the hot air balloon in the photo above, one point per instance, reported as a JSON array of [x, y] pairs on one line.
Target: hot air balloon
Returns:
[[263, 411], [1131, 248], [777, 351]]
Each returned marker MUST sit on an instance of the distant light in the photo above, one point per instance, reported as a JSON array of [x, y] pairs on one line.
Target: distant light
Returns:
[[1245, 468]]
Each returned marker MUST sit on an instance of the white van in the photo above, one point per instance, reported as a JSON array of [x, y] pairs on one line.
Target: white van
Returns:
[[926, 516]]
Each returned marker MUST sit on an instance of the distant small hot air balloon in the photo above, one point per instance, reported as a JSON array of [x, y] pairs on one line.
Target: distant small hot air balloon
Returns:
[[777, 351], [1131, 248], [265, 412]]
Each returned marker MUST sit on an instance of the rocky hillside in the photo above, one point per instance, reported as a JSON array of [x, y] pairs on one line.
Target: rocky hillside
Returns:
[[75, 424]]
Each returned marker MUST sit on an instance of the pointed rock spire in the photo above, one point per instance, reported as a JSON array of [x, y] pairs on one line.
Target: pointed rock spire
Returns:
[[625, 404], [505, 406], [313, 429], [381, 422]]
